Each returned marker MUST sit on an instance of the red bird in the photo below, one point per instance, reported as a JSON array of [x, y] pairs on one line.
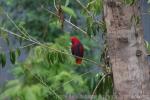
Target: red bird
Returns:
[[77, 49]]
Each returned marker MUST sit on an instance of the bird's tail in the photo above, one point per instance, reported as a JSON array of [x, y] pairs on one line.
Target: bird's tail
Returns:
[[78, 60]]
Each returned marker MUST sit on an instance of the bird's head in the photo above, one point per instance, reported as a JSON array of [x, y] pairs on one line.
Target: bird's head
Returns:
[[74, 40]]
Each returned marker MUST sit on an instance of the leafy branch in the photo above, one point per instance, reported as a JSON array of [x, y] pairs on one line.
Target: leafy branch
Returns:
[[42, 44]]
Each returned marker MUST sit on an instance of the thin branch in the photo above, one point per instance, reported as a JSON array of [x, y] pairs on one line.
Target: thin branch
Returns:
[[25, 36], [28, 36], [12, 33], [27, 45], [78, 1], [78, 28], [55, 5]]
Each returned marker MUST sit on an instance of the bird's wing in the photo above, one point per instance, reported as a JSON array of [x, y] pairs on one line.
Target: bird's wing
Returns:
[[77, 50]]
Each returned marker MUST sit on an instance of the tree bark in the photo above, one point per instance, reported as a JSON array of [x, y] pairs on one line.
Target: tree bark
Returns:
[[128, 57]]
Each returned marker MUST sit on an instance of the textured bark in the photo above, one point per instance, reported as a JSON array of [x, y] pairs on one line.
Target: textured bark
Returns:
[[131, 71]]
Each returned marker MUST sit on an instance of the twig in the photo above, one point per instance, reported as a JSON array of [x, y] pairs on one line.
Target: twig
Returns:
[[27, 45], [55, 5], [25, 36], [78, 28], [78, 1]]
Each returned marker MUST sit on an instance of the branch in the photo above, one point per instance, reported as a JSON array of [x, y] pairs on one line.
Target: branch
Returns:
[[47, 46], [55, 5], [78, 1], [78, 28], [26, 45]]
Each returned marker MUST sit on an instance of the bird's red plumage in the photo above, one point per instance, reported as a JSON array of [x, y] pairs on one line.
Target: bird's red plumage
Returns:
[[77, 49]]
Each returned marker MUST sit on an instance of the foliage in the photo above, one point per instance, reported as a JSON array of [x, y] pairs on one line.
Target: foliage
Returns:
[[69, 11], [2, 59], [49, 71], [129, 2], [54, 71]]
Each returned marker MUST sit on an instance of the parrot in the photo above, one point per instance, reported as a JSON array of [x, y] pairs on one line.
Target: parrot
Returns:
[[77, 49]]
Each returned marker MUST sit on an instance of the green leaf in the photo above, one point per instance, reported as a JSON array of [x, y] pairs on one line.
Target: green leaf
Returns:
[[5, 36], [18, 52], [95, 6], [7, 40], [12, 83], [3, 59], [148, 1], [129, 2], [67, 3], [102, 26], [12, 56], [146, 44], [89, 23], [49, 58], [29, 94], [136, 19], [69, 11], [69, 89], [10, 92]]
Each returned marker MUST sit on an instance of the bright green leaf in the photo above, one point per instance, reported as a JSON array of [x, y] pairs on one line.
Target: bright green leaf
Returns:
[[12, 56], [18, 52], [29, 94], [69, 11], [3, 59]]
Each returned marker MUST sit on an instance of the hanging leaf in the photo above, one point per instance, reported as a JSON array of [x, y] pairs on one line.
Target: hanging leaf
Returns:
[[5, 36], [12, 56], [29, 94], [18, 52], [95, 6], [69, 11], [129, 2], [89, 23], [102, 26], [67, 3], [2, 59], [49, 58], [135, 19], [7, 40], [147, 46]]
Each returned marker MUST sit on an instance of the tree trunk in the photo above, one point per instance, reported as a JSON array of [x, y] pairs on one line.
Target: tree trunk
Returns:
[[131, 71]]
